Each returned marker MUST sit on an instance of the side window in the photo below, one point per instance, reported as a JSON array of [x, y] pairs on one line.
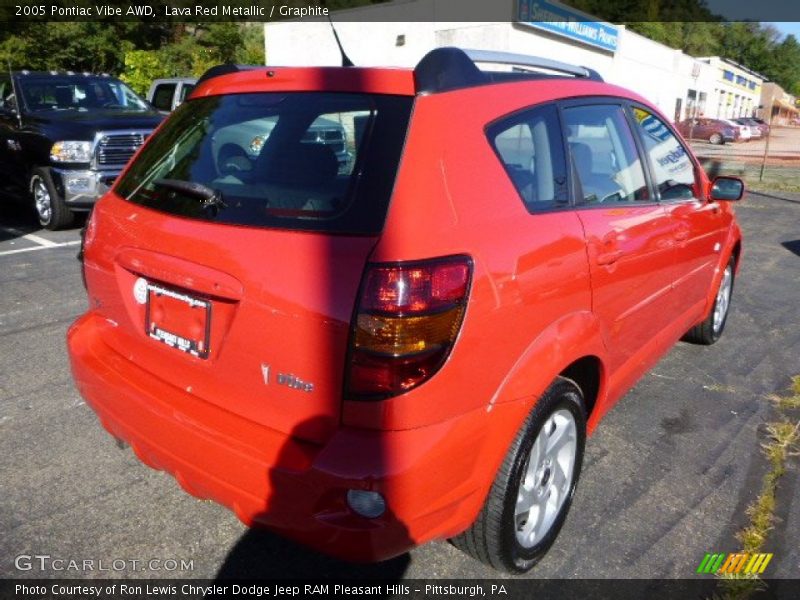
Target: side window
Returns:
[[186, 89], [531, 150], [162, 97], [672, 169], [604, 155]]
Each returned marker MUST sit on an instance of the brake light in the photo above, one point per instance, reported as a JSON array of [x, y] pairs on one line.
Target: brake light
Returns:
[[408, 318]]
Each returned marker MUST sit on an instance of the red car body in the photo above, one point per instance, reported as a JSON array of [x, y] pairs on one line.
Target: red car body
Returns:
[[598, 294]]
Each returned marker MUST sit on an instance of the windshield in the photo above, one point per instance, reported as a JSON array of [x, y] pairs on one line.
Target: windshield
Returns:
[[78, 93], [299, 160]]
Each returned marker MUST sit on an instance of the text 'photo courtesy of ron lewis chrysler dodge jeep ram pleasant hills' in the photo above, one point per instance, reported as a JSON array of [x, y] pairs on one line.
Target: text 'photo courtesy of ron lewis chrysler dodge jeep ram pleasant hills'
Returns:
[[412, 344]]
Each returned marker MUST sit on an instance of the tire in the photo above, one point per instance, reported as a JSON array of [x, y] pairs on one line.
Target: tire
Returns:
[[500, 535], [50, 207], [710, 330], [716, 139]]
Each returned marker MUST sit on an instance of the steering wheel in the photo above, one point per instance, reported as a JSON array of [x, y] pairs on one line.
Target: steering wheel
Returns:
[[111, 104]]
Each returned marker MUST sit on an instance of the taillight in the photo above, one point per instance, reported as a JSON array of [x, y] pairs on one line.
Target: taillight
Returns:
[[408, 317]]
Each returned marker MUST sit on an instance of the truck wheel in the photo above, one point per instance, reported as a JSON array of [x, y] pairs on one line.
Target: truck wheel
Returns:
[[50, 207], [715, 139], [532, 492], [710, 330]]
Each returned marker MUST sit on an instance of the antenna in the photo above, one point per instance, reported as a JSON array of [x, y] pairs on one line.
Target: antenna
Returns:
[[346, 62], [17, 99]]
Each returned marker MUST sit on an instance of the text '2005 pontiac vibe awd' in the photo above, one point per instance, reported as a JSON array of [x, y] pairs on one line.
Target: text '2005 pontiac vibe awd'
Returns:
[[411, 345]]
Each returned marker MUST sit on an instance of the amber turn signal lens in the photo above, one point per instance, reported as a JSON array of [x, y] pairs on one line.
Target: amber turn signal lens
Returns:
[[408, 319]]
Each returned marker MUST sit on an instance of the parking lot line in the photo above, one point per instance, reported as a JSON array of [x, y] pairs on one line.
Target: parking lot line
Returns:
[[30, 237], [42, 247]]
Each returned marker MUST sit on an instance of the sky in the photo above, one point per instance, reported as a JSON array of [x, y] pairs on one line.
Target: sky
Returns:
[[787, 28]]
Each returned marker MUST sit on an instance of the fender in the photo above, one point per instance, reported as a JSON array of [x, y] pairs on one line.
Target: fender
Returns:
[[560, 344]]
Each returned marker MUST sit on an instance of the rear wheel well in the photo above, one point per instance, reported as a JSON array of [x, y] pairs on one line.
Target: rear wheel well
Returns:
[[586, 373]]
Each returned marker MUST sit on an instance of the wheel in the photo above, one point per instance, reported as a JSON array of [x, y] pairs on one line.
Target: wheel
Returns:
[[50, 207], [532, 492], [710, 330], [715, 139]]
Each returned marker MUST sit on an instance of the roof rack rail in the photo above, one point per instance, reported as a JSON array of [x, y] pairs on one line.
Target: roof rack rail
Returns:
[[449, 68], [536, 62]]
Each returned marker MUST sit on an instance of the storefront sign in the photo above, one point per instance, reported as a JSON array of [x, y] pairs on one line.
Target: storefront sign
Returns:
[[567, 22]]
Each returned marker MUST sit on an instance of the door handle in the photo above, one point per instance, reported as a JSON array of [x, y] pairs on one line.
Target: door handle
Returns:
[[682, 236], [608, 258]]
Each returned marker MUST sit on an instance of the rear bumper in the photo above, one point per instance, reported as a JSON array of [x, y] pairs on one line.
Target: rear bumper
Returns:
[[271, 479]]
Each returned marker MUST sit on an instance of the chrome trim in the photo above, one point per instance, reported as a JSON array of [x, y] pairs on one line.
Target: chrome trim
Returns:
[[98, 136]]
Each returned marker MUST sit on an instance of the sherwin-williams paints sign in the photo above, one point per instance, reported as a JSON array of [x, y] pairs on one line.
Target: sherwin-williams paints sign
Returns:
[[567, 22]]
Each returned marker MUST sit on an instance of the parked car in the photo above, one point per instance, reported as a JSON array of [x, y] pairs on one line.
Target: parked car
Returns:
[[65, 137], [758, 129], [715, 131], [236, 145], [753, 128], [239, 146], [414, 349], [745, 134], [167, 94]]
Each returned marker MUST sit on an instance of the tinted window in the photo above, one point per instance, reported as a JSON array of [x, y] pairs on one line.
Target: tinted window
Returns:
[[78, 93], [162, 98], [186, 89], [604, 155], [7, 94], [285, 160], [530, 147], [672, 169]]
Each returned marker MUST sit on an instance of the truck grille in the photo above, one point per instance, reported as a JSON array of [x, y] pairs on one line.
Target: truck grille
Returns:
[[116, 149]]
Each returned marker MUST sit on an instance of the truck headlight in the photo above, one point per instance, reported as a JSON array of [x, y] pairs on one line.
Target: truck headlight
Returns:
[[76, 152]]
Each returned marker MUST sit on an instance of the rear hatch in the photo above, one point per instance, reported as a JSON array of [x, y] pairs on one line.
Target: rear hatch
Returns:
[[229, 255]]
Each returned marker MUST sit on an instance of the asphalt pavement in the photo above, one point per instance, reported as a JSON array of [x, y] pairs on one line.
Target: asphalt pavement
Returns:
[[667, 476]]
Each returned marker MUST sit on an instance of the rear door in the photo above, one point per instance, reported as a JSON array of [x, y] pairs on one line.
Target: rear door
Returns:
[[229, 255], [698, 224], [629, 235]]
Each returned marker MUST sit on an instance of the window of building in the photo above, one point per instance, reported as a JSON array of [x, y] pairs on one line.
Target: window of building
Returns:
[[727, 75]]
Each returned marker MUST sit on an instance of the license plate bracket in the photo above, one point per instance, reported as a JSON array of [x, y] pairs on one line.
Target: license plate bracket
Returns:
[[179, 320]]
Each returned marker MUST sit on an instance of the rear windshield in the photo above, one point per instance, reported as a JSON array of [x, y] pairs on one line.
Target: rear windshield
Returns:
[[300, 160]]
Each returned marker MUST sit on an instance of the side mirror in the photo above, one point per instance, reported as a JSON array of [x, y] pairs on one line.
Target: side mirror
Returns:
[[727, 189]]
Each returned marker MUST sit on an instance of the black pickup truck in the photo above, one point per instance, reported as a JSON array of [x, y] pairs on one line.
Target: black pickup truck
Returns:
[[65, 137]]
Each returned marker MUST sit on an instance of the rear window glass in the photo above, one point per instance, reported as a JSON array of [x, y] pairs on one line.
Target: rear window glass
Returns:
[[299, 160]]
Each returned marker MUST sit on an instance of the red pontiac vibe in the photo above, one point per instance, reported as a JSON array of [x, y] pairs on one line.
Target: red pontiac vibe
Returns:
[[369, 308]]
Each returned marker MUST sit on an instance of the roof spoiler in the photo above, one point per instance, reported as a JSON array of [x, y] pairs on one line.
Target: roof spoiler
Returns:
[[225, 69], [449, 68]]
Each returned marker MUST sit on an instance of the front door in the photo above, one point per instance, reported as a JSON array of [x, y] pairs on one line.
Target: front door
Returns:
[[698, 224]]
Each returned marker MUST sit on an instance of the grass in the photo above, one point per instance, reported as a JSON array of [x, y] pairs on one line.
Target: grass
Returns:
[[783, 438], [777, 178]]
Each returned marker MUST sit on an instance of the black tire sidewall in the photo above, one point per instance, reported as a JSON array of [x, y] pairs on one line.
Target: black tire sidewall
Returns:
[[39, 175], [60, 214], [564, 394]]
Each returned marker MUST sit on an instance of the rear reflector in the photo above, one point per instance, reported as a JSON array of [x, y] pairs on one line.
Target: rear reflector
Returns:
[[408, 318]]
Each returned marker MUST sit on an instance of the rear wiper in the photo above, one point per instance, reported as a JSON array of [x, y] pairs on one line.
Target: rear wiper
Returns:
[[209, 197]]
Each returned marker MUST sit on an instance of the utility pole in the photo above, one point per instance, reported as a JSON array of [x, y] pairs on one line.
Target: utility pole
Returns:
[[769, 135]]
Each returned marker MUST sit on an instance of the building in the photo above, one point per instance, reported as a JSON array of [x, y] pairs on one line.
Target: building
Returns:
[[777, 106], [680, 85], [736, 89]]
